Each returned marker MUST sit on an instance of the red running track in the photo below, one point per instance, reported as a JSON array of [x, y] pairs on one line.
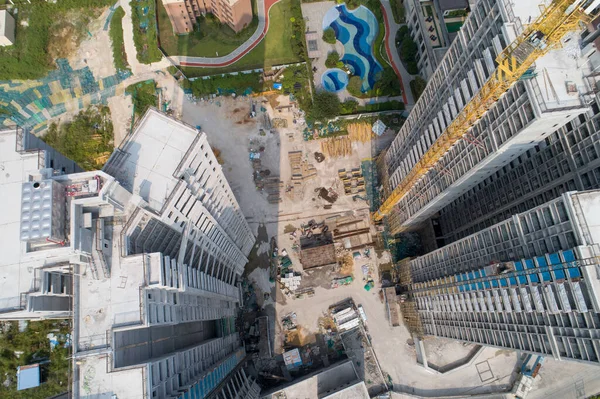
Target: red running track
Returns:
[[268, 5], [389, 53]]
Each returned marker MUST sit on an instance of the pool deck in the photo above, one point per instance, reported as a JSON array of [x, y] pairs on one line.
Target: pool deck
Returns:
[[314, 13]]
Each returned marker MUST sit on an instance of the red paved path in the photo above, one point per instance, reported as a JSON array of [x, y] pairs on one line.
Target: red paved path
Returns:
[[389, 52]]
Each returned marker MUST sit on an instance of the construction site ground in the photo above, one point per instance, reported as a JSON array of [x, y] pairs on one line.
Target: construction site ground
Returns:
[[229, 127]]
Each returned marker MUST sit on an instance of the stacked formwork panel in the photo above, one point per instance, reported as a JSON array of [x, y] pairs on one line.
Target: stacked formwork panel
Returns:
[[522, 116], [529, 283]]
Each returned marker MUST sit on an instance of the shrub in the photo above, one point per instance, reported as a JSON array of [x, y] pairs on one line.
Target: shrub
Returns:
[[86, 138], [417, 85], [407, 50], [237, 84], [116, 37], [329, 36], [349, 107], [355, 86], [332, 59], [325, 105], [143, 95]]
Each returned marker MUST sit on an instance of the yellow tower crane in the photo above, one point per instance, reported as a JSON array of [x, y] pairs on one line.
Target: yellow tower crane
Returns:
[[539, 37]]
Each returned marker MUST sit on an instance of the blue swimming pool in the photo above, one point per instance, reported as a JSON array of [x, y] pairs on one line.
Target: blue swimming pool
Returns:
[[356, 30], [334, 80]]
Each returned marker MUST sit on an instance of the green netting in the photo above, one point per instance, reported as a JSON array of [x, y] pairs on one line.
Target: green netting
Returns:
[[29, 103]]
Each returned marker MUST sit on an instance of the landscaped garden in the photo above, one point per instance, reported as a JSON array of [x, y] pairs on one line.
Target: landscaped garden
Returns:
[[116, 37], [283, 44], [210, 37], [143, 18], [361, 33], [407, 50]]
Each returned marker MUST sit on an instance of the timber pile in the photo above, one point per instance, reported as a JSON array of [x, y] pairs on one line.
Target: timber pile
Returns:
[[353, 180], [360, 132], [336, 146], [302, 171]]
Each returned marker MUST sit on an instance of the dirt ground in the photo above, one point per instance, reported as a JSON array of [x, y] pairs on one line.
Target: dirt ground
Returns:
[[442, 351], [95, 49]]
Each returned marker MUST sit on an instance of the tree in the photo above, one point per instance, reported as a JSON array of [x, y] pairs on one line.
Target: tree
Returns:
[[332, 59], [355, 86], [349, 106], [387, 82], [325, 105], [329, 36]]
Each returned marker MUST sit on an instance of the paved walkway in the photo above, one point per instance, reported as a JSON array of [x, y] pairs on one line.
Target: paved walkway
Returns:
[[391, 27], [136, 66], [263, 7]]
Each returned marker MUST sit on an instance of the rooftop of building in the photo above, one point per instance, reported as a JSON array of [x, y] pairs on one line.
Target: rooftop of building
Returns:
[[156, 148], [16, 275], [560, 73], [338, 381], [446, 5]]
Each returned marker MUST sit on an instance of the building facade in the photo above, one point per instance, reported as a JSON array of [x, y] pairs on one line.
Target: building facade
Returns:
[[565, 160], [145, 256], [529, 283], [433, 25], [524, 116], [237, 14]]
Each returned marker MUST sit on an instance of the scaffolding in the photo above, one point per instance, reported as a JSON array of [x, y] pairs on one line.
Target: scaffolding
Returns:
[[411, 317], [539, 37]]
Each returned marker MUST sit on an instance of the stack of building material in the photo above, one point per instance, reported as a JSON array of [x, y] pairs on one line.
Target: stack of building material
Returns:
[[359, 132], [392, 306], [336, 146], [353, 180], [351, 231], [291, 281], [302, 171], [346, 319]]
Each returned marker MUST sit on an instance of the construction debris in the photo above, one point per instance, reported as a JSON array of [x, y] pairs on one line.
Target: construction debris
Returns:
[[336, 147], [289, 322], [327, 194], [359, 132], [319, 157], [262, 177], [279, 123], [341, 281]]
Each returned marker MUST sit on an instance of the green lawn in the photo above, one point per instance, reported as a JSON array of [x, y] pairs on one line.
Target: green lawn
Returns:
[[282, 45], [208, 38], [31, 56], [398, 11], [116, 36]]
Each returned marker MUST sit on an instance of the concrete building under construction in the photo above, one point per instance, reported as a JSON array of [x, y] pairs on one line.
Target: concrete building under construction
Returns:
[[529, 283], [551, 94], [145, 256]]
